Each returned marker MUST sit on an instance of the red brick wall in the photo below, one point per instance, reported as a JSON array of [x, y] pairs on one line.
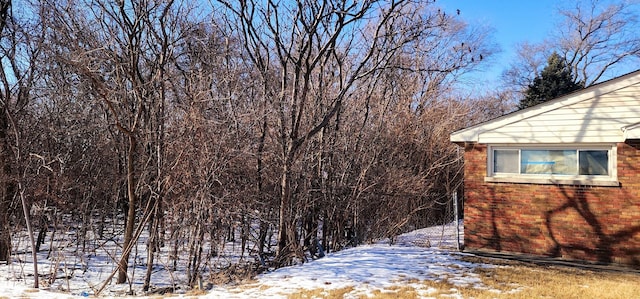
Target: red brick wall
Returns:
[[600, 224]]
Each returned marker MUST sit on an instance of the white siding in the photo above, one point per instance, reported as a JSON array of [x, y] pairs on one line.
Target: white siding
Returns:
[[598, 119]]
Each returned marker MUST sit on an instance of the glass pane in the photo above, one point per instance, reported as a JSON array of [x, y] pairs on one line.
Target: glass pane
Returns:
[[505, 161], [549, 162], [566, 162], [594, 162]]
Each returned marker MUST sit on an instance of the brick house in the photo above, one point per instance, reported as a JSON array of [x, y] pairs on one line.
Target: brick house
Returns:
[[560, 179]]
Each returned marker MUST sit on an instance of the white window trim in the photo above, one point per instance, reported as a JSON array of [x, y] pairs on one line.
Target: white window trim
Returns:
[[590, 180]]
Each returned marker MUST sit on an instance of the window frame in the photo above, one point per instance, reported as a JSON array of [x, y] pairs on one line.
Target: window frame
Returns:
[[611, 179]]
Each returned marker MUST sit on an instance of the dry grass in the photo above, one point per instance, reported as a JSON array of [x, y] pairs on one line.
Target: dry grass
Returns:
[[243, 273], [509, 280], [191, 293], [526, 281], [395, 292], [321, 293]]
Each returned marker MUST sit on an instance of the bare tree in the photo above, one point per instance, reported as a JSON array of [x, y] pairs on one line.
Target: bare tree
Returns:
[[120, 51], [283, 121], [20, 45], [529, 61], [314, 59], [7, 190], [597, 39], [315, 51]]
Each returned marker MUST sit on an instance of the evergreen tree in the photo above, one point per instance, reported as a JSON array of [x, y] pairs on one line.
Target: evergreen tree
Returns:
[[555, 80]]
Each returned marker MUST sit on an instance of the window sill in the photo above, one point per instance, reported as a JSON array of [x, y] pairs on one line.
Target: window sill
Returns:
[[554, 181]]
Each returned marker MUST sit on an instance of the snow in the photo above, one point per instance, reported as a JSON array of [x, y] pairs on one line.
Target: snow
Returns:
[[424, 254], [366, 268]]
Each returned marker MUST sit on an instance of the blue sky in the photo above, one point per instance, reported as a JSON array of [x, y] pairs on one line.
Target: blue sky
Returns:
[[514, 22]]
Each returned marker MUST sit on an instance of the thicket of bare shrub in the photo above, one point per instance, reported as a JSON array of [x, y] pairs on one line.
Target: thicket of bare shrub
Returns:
[[290, 128]]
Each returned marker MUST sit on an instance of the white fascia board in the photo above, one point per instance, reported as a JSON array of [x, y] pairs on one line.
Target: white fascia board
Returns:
[[632, 131]]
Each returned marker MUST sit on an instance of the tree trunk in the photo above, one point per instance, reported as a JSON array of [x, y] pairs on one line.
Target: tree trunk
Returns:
[[131, 214], [6, 192], [34, 253], [285, 208], [262, 236], [152, 246], [326, 230], [42, 232], [5, 233], [264, 226]]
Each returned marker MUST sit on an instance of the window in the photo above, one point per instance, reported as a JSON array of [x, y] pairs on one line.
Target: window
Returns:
[[594, 165]]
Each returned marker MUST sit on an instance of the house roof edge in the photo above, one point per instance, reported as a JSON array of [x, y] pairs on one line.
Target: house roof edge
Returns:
[[472, 133]]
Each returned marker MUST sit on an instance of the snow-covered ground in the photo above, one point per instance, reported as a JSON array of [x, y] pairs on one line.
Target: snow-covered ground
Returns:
[[425, 254]]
